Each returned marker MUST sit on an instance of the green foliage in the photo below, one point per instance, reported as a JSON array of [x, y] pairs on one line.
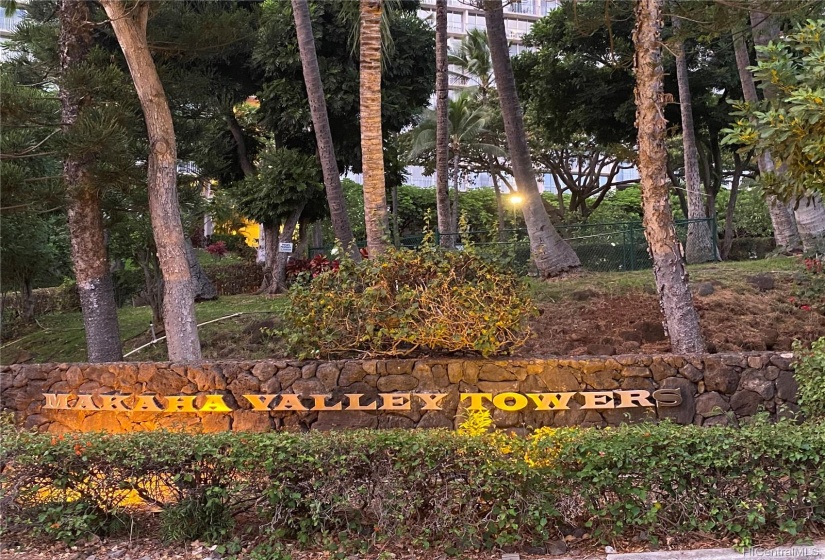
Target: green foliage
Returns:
[[791, 123], [433, 487], [202, 516], [70, 521], [809, 371], [406, 302]]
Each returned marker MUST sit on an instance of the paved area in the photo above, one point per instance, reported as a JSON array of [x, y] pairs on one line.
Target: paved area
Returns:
[[814, 552]]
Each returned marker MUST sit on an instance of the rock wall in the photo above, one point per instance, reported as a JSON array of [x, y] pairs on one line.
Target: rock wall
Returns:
[[716, 389]]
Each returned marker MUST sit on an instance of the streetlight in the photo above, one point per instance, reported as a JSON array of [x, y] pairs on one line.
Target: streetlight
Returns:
[[515, 200]]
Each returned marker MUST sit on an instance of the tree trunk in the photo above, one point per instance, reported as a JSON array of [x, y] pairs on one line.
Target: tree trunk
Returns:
[[809, 218], [178, 304], [396, 234], [270, 233], [323, 135], [89, 258], [317, 236], [700, 245], [372, 140], [500, 216], [202, 287], [27, 301], [681, 319], [454, 206], [785, 231], [281, 258], [303, 239], [552, 254], [734, 193], [442, 127]]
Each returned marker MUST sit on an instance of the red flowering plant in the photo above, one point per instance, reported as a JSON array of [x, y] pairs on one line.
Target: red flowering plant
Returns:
[[217, 249], [304, 270], [809, 294]]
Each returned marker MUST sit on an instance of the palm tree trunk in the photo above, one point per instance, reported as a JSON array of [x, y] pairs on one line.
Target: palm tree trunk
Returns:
[[89, 258], [681, 319], [552, 254], [454, 207], [442, 127], [785, 231], [178, 304], [323, 135], [500, 216], [281, 258], [372, 141], [700, 245]]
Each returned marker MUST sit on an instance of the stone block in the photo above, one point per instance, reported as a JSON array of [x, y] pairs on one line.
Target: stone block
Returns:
[[264, 370], [721, 378], [351, 372], [328, 375], [711, 404], [745, 403], [348, 419], [287, 376], [251, 421], [754, 380], [786, 387], [682, 414], [391, 383]]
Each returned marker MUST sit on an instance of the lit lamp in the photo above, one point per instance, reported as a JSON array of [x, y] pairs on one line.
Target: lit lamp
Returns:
[[515, 200]]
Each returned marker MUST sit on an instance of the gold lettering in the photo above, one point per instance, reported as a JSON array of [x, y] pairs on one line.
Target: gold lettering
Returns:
[[214, 403], [321, 403], [395, 401], [551, 401], [519, 401], [290, 402], [432, 401], [146, 403], [627, 398], [668, 397], [598, 399], [114, 402], [180, 403], [85, 402], [476, 399], [56, 401], [260, 402], [355, 403]]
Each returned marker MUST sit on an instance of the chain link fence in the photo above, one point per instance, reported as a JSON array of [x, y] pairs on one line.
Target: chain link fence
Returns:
[[603, 247]]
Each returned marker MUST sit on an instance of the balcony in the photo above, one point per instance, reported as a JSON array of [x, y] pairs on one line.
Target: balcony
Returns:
[[9, 23], [520, 8]]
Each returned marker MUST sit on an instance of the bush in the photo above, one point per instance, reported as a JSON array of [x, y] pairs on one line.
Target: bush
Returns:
[[407, 302], [432, 487], [809, 372]]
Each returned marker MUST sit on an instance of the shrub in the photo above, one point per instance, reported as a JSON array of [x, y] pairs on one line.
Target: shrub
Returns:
[[406, 302], [809, 371], [429, 486], [217, 249], [304, 270]]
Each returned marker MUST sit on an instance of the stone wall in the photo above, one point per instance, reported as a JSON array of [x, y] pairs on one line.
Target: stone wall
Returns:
[[716, 389]]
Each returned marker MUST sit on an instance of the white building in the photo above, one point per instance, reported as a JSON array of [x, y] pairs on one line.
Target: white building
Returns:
[[8, 23]]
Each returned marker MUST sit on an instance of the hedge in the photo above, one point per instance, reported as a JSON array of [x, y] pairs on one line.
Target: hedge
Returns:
[[427, 487]]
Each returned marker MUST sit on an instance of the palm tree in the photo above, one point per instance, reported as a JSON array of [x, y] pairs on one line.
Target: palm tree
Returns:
[[467, 121], [442, 148], [700, 246], [475, 69], [552, 254], [320, 122], [681, 319], [372, 141], [472, 59]]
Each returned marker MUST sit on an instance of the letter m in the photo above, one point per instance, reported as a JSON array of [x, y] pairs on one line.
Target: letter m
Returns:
[[59, 401]]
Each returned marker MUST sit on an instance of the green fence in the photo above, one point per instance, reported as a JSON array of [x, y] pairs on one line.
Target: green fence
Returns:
[[616, 246]]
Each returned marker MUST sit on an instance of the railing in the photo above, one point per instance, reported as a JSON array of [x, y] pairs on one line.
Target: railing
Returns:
[[618, 246]]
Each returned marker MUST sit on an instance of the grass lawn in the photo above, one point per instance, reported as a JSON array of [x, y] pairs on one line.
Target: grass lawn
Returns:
[[60, 336]]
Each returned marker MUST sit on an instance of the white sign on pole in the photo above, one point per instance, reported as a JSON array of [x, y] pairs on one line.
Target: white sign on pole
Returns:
[[284, 247]]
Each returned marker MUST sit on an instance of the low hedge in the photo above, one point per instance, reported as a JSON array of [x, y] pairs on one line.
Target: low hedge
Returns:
[[433, 487]]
